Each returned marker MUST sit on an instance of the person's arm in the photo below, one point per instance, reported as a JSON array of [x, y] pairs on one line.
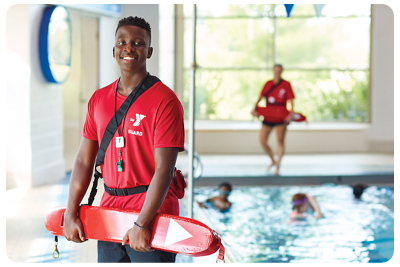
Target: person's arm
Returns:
[[314, 203], [79, 182], [289, 117], [254, 111], [165, 159], [201, 204]]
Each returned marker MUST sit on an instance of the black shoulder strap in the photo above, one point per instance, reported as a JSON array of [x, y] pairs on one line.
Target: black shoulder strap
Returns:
[[112, 127], [273, 87]]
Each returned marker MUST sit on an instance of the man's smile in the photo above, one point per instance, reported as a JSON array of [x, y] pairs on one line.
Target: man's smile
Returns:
[[128, 58]]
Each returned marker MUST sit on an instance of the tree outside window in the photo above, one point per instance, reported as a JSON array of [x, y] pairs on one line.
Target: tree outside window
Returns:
[[326, 59]]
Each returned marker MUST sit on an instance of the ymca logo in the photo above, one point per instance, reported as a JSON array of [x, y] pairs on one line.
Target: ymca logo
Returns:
[[139, 118], [281, 93]]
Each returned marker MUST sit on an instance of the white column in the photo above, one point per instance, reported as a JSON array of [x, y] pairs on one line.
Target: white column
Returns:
[[382, 79], [17, 101]]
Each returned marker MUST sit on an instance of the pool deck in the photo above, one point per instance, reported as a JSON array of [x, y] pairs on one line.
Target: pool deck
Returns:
[[295, 169], [27, 240]]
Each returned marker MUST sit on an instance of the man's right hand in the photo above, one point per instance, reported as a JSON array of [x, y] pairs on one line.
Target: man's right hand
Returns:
[[73, 229], [255, 113]]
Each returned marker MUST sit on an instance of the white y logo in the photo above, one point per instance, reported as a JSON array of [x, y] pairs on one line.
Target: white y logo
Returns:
[[139, 118]]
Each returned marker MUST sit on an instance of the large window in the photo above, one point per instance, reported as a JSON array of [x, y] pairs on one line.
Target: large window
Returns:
[[326, 59]]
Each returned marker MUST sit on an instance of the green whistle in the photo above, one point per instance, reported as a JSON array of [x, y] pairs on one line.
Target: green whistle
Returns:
[[119, 165]]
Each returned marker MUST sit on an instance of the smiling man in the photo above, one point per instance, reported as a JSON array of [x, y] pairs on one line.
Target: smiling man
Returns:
[[143, 154]]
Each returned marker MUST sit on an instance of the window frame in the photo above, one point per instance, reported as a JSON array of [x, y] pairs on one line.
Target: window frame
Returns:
[[274, 17]]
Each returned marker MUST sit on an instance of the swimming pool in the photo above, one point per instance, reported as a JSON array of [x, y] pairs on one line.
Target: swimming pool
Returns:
[[257, 228]]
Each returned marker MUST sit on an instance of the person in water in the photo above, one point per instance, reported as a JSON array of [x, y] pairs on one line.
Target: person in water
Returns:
[[358, 189], [221, 201], [301, 203]]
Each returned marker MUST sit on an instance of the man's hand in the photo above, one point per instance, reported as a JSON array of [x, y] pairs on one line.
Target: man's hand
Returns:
[[78, 184], [289, 117], [202, 205], [73, 229], [139, 239], [255, 113]]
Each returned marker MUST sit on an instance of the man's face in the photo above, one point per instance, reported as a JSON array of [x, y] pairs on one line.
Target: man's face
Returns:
[[277, 72], [132, 48]]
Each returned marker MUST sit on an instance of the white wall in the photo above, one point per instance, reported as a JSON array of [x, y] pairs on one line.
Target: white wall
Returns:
[[150, 14], [167, 45], [108, 67], [382, 79], [224, 137], [18, 73], [35, 135], [46, 114]]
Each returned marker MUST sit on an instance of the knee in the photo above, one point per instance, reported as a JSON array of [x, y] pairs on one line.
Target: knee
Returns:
[[281, 142], [262, 140]]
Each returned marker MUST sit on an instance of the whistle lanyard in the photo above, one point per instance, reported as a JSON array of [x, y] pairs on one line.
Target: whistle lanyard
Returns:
[[120, 139]]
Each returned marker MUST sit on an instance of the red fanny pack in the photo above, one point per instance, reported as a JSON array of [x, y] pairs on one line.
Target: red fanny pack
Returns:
[[178, 184]]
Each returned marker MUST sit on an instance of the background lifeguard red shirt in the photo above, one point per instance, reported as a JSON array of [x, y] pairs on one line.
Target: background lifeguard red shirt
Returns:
[[154, 120], [279, 95]]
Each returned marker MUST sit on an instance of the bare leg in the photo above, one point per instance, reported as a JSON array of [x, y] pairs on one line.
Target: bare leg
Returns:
[[280, 133], [264, 133]]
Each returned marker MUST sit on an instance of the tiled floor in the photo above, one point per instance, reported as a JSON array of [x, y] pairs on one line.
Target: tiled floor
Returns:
[[27, 240]]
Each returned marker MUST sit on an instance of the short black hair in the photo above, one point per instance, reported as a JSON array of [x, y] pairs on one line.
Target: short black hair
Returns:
[[358, 190], [135, 21], [225, 184]]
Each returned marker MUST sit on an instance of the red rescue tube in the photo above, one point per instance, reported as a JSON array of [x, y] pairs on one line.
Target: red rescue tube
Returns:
[[169, 232], [276, 114]]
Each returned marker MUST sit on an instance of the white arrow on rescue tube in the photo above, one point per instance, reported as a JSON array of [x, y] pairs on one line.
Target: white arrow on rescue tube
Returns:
[[175, 233]]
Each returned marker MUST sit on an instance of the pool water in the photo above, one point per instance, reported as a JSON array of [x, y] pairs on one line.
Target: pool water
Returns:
[[257, 228]]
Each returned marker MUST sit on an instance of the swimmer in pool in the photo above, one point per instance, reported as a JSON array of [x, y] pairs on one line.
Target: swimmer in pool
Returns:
[[303, 202], [221, 201], [358, 189]]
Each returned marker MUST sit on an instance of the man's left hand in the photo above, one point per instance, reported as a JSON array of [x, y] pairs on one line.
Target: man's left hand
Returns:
[[139, 239]]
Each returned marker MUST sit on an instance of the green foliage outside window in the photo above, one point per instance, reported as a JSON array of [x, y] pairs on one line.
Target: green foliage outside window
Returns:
[[326, 60]]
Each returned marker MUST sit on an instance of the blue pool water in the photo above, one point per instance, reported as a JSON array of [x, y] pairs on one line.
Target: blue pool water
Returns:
[[257, 227]]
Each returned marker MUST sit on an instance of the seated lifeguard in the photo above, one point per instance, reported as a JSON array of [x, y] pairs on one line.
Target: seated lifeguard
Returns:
[[302, 203], [221, 201]]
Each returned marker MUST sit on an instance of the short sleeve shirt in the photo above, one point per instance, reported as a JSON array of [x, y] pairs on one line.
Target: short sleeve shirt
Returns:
[[154, 120], [280, 94]]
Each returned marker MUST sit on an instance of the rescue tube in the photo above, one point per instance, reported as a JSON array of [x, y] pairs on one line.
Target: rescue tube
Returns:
[[169, 232], [277, 114]]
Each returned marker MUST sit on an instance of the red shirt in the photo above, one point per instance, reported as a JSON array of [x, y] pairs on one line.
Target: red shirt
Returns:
[[276, 99], [154, 120]]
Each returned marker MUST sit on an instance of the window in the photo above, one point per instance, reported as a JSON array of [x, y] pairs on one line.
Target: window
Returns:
[[326, 59]]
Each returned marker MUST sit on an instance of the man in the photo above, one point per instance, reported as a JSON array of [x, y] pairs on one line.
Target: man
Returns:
[[221, 201], [153, 134]]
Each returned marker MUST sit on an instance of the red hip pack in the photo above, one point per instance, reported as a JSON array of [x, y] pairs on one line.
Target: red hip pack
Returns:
[[178, 184]]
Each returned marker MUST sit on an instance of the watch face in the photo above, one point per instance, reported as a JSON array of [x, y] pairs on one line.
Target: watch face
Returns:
[[55, 47]]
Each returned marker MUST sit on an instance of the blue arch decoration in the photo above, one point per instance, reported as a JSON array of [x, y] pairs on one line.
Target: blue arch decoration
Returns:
[[44, 45]]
